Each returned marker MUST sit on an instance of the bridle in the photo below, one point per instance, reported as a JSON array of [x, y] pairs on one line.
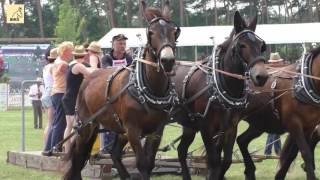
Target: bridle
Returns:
[[155, 53], [231, 101], [236, 49]]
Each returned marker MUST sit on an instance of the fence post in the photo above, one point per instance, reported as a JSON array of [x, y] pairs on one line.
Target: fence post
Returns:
[[23, 141]]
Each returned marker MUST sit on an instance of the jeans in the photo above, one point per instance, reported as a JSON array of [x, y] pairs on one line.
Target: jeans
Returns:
[[108, 140], [273, 140], [56, 132]]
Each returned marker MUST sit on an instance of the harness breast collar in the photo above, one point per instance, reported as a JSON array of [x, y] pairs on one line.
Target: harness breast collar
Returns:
[[304, 87]]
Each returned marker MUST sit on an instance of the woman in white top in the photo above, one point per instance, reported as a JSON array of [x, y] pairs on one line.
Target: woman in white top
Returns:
[[48, 83], [95, 53]]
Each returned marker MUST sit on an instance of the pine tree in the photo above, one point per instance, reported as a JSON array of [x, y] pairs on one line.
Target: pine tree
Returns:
[[67, 25]]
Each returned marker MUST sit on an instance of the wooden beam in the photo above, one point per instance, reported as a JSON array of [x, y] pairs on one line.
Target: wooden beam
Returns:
[[27, 40]]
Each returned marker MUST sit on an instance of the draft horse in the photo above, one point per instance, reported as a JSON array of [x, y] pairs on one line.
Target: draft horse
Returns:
[[136, 98], [211, 100], [290, 104]]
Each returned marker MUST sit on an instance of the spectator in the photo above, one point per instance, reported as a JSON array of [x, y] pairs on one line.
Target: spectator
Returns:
[[274, 139], [35, 93], [48, 83], [95, 52], [275, 60], [59, 70], [76, 72], [118, 56]]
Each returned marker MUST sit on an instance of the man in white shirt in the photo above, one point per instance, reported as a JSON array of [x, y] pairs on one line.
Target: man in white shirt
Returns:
[[35, 94]]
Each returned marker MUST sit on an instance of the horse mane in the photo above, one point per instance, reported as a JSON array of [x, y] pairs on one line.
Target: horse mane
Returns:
[[315, 51], [224, 46], [151, 13]]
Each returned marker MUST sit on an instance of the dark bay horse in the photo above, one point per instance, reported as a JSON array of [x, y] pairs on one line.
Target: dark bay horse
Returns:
[[211, 99], [295, 110], [136, 98]]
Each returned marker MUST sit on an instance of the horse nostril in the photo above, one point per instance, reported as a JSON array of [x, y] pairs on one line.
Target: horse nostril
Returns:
[[261, 79]]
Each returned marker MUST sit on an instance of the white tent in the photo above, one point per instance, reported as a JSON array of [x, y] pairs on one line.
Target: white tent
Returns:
[[200, 35]]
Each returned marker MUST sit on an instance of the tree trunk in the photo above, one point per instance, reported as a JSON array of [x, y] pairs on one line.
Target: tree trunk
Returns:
[[318, 10], [181, 10], [309, 10], [264, 9], [141, 18], [39, 11], [215, 13], [5, 25], [110, 12], [129, 13]]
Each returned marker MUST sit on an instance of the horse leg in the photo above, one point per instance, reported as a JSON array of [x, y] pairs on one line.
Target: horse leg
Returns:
[[80, 151], [297, 133], [116, 154], [229, 141], [134, 134], [187, 138], [288, 154], [151, 148], [243, 141], [213, 155]]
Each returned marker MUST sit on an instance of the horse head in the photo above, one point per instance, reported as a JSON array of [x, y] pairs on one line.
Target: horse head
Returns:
[[248, 47], [162, 34]]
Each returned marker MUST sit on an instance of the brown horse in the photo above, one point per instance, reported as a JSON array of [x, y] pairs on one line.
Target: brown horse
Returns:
[[136, 98], [211, 101], [292, 111]]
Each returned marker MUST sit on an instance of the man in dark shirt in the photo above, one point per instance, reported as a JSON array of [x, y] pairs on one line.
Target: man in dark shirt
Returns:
[[118, 55]]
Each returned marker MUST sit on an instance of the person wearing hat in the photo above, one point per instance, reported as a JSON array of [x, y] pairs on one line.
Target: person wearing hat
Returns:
[[95, 52], [77, 70], [35, 94], [275, 60], [58, 71], [273, 140], [51, 56], [118, 55]]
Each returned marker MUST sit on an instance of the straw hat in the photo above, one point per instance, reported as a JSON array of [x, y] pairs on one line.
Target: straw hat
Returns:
[[79, 51], [275, 57], [95, 47], [53, 53]]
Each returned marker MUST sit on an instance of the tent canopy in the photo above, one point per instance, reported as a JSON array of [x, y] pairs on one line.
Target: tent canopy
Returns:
[[200, 35]]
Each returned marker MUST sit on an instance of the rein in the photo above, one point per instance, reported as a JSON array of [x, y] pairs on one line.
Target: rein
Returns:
[[295, 73]]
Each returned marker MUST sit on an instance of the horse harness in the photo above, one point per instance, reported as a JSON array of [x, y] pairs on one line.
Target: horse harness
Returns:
[[305, 90]]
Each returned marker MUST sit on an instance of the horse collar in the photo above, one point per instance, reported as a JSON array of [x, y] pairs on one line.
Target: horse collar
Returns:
[[304, 87], [142, 93], [218, 92]]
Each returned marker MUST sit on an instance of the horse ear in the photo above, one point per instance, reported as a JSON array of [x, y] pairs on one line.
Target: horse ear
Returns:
[[166, 12], [239, 23], [253, 24], [147, 16]]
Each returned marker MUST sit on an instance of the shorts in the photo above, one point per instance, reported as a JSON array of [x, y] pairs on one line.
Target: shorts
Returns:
[[69, 106], [46, 102]]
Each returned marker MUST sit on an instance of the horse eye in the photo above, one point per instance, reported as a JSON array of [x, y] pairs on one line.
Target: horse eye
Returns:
[[242, 46], [150, 33]]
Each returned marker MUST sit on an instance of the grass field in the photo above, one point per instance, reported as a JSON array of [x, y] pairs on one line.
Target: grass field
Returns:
[[10, 138]]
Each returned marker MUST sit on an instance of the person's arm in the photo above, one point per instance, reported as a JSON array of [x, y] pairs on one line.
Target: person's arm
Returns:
[[93, 61], [106, 61], [129, 59], [63, 67], [80, 68]]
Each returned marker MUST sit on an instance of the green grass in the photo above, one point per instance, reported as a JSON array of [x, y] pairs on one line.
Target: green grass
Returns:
[[10, 138]]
